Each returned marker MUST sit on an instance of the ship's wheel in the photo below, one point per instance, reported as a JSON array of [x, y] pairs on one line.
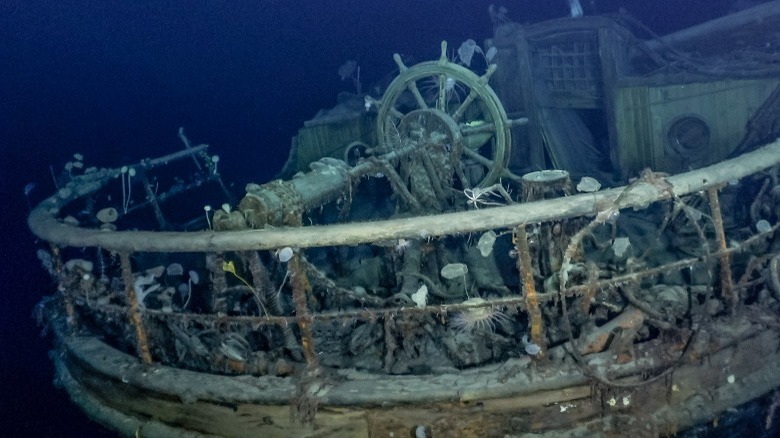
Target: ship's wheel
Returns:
[[461, 101]]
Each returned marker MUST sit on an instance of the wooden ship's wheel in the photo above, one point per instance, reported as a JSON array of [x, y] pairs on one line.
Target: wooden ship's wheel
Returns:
[[466, 110]]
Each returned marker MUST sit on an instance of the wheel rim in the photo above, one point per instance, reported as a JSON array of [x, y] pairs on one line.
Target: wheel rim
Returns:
[[461, 95]]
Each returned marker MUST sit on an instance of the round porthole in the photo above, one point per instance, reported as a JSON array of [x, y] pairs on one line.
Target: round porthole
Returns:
[[689, 137]]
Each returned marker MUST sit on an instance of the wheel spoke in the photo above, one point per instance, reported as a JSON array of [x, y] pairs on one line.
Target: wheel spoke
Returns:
[[458, 114], [474, 155], [412, 86], [479, 129], [442, 95]]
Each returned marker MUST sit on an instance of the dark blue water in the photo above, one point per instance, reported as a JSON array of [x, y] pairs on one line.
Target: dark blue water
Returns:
[[114, 80]]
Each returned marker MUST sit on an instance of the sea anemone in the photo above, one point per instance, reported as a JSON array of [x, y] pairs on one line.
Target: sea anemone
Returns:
[[480, 317]]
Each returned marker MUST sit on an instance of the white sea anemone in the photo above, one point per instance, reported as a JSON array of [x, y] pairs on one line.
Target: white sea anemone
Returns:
[[478, 318]]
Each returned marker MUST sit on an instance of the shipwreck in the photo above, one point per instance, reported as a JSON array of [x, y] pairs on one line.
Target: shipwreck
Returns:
[[569, 230]]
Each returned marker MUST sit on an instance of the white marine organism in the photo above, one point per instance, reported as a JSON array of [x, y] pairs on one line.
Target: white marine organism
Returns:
[[194, 278], [486, 242], [482, 196], [588, 185], [420, 297], [156, 271], [481, 317], [285, 254], [174, 269], [127, 174], [47, 261], [449, 84], [28, 188], [348, 69], [122, 173], [454, 270], [575, 8], [530, 347], [64, 193], [763, 226], [215, 162], [108, 215], [620, 245], [401, 245], [351, 70], [466, 51], [469, 47], [451, 87], [207, 209], [81, 264], [141, 290], [491, 53]]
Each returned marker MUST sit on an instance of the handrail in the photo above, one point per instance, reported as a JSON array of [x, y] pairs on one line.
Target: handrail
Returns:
[[44, 224]]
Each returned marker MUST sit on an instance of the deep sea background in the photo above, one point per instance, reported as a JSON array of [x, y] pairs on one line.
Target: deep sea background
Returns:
[[114, 80]]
